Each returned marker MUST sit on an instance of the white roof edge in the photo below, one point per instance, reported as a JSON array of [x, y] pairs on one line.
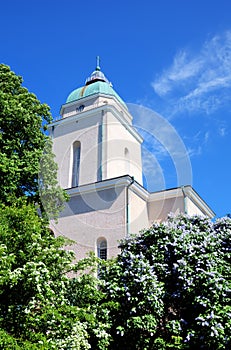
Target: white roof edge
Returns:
[[122, 181], [169, 193], [196, 199], [139, 190]]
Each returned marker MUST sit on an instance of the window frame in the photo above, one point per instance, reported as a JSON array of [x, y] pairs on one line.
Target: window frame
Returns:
[[76, 150]]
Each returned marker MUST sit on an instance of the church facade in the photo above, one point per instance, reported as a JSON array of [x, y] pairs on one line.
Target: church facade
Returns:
[[98, 152]]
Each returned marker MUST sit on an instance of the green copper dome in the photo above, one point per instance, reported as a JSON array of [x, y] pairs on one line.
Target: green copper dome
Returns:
[[95, 84], [93, 88]]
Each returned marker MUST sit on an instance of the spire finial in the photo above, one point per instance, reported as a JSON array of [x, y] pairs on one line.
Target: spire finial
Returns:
[[97, 75], [97, 63]]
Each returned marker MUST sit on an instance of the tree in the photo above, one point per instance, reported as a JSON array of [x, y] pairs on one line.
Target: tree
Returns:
[[43, 303], [23, 120], [171, 287]]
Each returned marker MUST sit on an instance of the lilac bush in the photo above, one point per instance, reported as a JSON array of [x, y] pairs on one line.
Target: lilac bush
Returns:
[[171, 286]]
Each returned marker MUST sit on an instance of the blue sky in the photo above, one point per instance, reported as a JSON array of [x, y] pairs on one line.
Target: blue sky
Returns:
[[173, 57]]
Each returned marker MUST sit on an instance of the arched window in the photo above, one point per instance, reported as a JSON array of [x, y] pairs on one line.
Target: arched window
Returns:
[[76, 163], [102, 248]]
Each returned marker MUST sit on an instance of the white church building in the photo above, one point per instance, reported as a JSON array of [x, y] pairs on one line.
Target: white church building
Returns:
[[98, 152]]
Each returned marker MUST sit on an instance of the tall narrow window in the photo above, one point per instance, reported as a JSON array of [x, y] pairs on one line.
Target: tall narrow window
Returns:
[[127, 161], [102, 254], [102, 249], [76, 163]]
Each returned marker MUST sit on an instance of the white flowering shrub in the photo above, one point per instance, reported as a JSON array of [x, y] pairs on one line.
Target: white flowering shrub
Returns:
[[35, 312], [171, 287], [135, 299]]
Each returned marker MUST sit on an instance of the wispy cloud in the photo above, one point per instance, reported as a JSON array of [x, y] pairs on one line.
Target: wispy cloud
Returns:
[[161, 142], [201, 81], [222, 131], [197, 143]]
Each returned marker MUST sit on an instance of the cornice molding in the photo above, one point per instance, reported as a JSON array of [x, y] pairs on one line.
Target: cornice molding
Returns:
[[160, 195], [116, 182], [90, 112], [140, 191], [198, 201]]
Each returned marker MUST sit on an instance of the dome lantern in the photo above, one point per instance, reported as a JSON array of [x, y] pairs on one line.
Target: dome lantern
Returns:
[[97, 75]]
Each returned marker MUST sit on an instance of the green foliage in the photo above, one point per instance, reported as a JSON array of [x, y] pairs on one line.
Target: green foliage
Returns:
[[25, 150], [7, 341], [22, 138], [51, 196], [171, 287], [35, 305]]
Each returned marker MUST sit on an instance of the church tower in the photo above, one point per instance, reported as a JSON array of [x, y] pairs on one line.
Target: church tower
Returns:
[[98, 152]]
